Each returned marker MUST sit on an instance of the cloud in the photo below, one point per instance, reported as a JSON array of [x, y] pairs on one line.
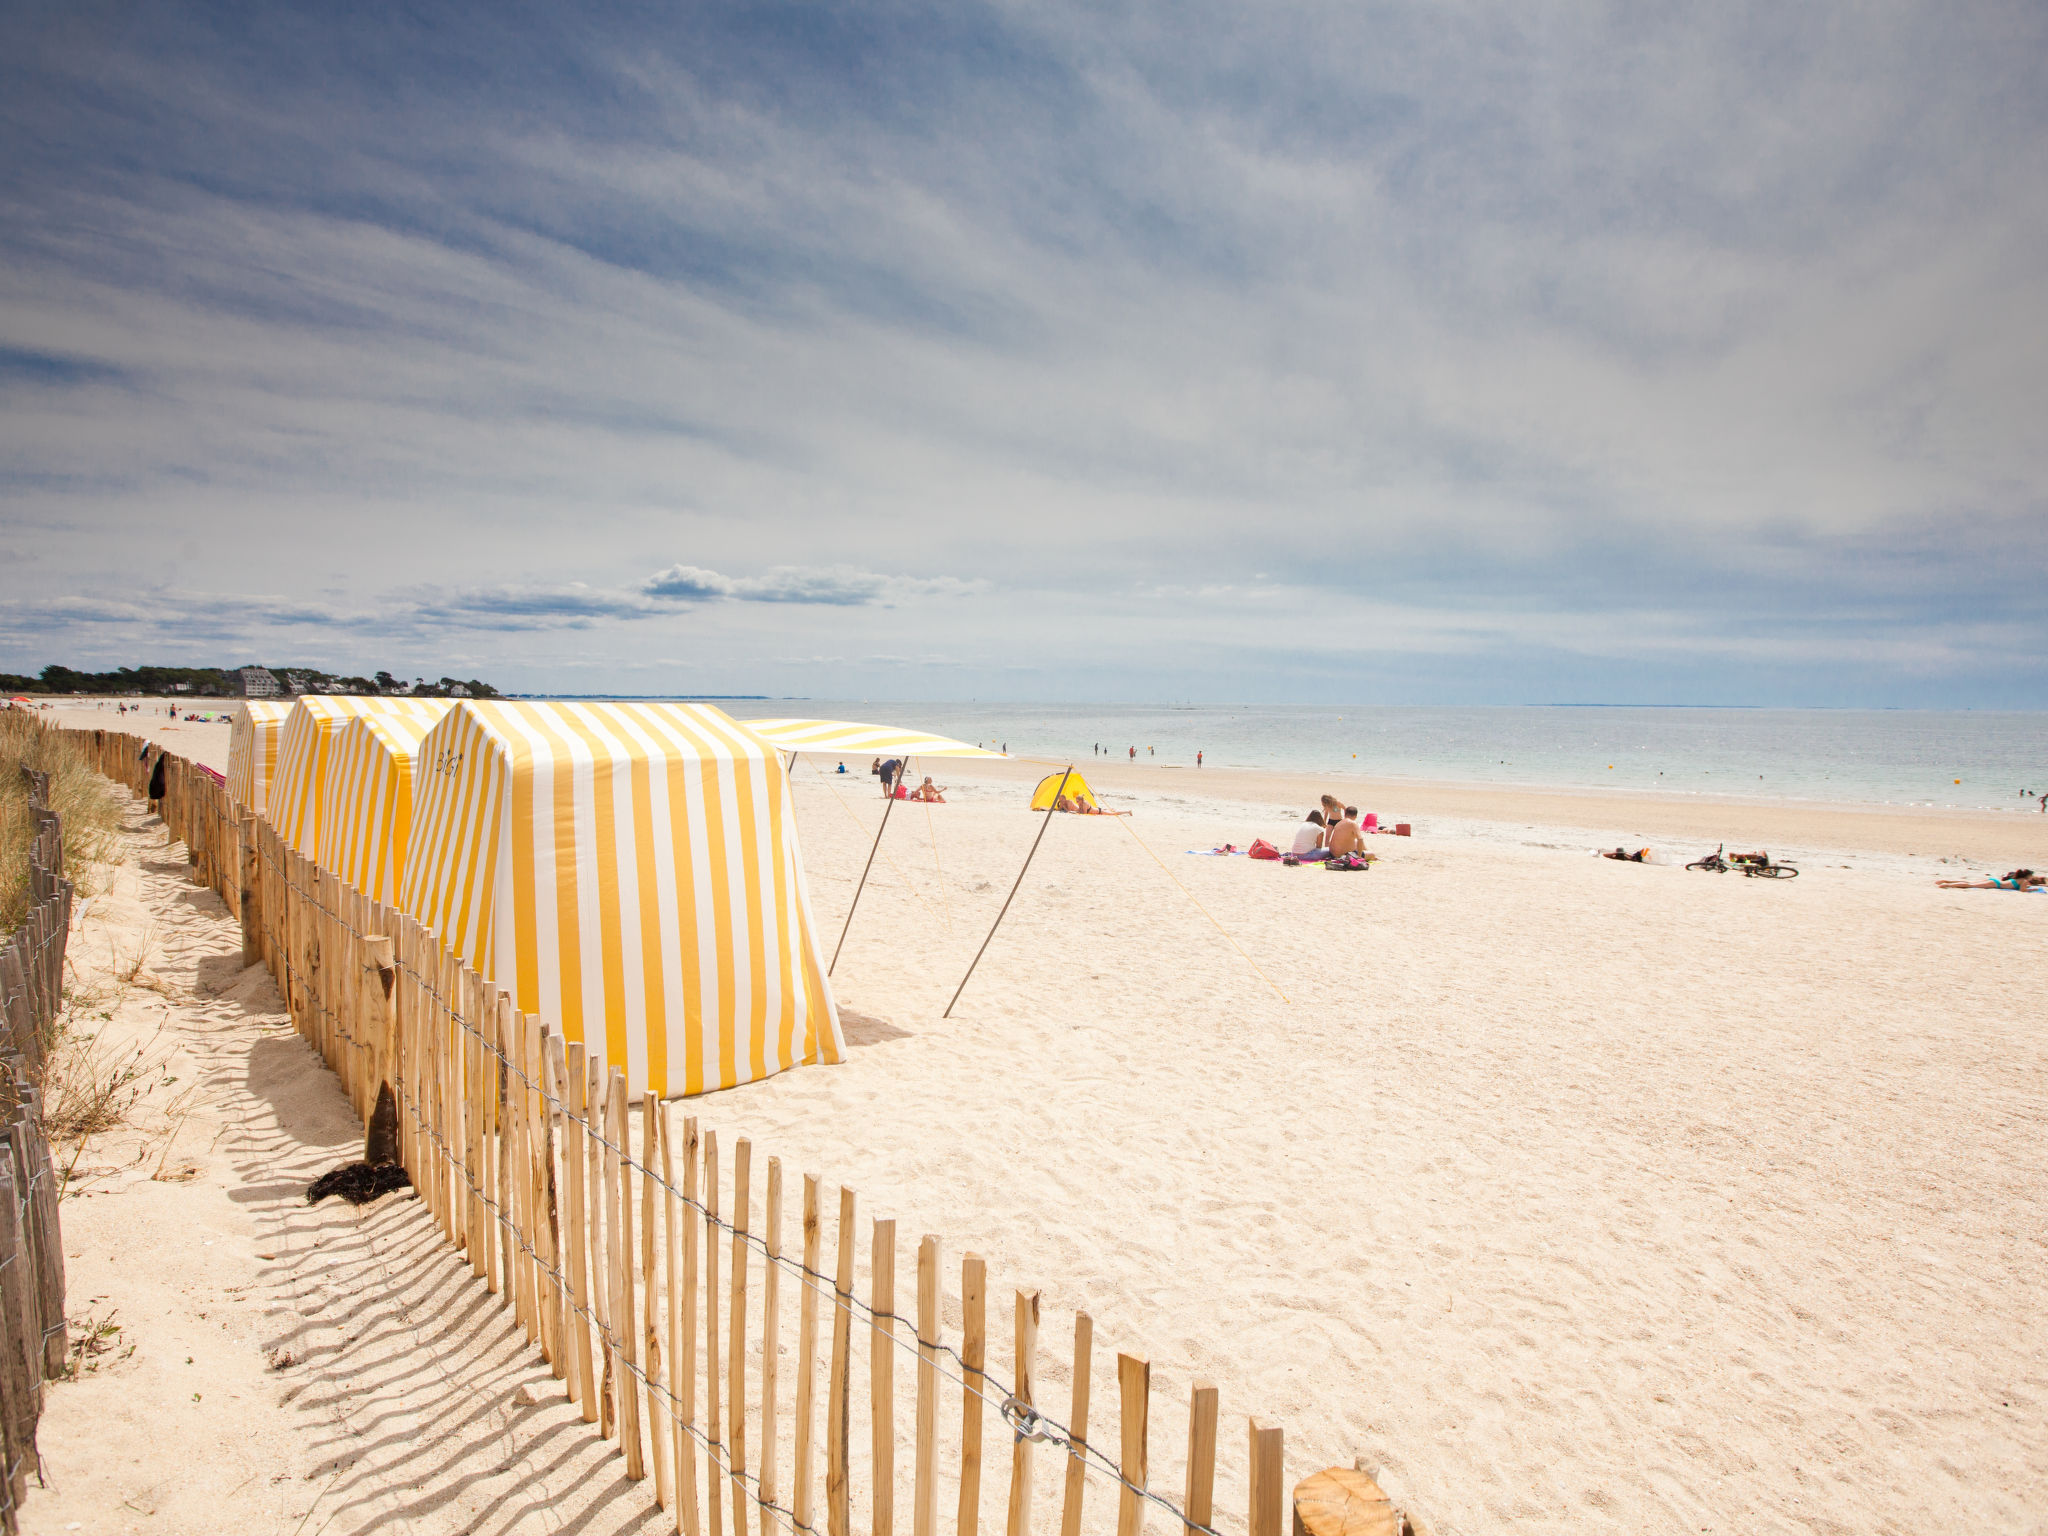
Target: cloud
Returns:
[[1563, 316]]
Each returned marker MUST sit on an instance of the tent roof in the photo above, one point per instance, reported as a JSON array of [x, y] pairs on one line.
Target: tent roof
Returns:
[[853, 738]]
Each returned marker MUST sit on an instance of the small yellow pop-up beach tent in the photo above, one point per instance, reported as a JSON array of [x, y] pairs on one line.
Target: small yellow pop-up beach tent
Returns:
[[629, 872], [366, 804], [1049, 790], [253, 740], [298, 792]]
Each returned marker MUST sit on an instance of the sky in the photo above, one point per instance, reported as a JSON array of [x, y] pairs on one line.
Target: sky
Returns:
[[1379, 353]]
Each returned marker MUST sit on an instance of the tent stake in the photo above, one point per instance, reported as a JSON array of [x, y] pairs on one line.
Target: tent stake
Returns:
[[1050, 811], [888, 805]]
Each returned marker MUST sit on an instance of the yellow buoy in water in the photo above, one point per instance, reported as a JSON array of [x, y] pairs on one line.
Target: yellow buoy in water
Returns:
[[1959, 781]]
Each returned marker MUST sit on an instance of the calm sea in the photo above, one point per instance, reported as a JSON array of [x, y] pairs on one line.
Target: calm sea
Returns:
[[1898, 757]]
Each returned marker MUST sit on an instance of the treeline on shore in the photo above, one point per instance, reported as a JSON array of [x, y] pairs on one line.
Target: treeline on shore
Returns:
[[236, 682]]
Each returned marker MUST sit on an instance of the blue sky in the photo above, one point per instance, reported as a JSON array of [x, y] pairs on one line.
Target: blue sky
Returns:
[[1385, 353]]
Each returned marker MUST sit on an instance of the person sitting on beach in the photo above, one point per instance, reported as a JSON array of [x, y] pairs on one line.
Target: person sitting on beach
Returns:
[[1345, 837], [842, 767], [875, 769], [930, 793], [2012, 880], [1308, 837]]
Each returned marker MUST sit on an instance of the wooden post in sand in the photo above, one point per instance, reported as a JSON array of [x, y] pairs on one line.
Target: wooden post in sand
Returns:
[[683, 1214], [623, 1330], [714, 1448], [736, 1350], [1199, 1506], [973, 1356], [1268, 1485], [882, 1376], [924, 1493], [660, 1440], [583, 1383], [1342, 1501], [1134, 1391], [1077, 1424], [838, 1489], [1020, 1453], [806, 1357], [771, 1341]]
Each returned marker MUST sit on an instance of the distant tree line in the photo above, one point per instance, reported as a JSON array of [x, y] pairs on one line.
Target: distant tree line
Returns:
[[234, 682]]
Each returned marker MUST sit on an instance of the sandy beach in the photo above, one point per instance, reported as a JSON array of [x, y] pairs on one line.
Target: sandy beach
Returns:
[[1572, 1195]]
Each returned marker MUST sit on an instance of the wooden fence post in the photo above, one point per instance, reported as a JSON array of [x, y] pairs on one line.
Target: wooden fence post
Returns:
[[714, 1434], [1077, 1424], [1268, 1483], [838, 1491], [924, 1493], [623, 1330], [806, 1356], [686, 1356], [882, 1376], [771, 1341], [653, 1154], [1199, 1506], [1020, 1453], [973, 1356], [1134, 1391], [736, 1351]]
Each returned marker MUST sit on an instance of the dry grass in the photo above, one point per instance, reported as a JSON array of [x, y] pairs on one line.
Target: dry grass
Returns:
[[87, 803], [93, 1088]]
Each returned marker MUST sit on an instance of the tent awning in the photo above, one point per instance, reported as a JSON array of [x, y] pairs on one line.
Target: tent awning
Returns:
[[852, 738]]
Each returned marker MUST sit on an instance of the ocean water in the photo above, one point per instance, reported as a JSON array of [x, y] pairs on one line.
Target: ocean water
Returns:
[[1976, 759]]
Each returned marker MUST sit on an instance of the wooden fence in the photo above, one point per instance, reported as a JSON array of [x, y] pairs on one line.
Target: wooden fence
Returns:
[[601, 1227], [33, 1338]]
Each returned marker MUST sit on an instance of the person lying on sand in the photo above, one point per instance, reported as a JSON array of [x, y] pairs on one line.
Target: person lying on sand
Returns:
[[1640, 856], [930, 793], [2012, 880]]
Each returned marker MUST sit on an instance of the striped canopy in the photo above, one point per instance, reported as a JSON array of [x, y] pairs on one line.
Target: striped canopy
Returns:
[[630, 873], [297, 793], [853, 739], [366, 804], [252, 752]]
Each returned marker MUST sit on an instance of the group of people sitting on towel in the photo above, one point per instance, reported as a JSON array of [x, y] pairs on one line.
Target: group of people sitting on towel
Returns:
[[1077, 805], [1329, 833]]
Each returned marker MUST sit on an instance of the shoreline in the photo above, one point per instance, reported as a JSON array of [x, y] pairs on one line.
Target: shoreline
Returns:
[[1964, 834], [1984, 837]]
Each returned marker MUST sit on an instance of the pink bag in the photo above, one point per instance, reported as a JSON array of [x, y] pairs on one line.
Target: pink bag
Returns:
[[1261, 849]]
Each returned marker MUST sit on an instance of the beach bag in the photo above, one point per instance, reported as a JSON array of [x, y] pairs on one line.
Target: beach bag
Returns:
[[1261, 849], [1349, 861]]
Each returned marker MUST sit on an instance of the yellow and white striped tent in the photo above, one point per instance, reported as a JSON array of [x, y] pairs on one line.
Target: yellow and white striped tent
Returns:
[[630, 873], [853, 738], [366, 805], [253, 740], [298, 792]]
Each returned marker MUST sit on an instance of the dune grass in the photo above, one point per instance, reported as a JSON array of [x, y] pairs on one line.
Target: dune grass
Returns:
[[86, 802]]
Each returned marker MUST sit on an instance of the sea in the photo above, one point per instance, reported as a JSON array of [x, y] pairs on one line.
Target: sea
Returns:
[[1975, 759]]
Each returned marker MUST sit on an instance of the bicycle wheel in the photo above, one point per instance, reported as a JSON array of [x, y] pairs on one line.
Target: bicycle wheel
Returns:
[[1781, 872]]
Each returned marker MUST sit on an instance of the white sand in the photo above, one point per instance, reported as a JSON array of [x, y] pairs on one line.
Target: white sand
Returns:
[[1578, 1195]]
